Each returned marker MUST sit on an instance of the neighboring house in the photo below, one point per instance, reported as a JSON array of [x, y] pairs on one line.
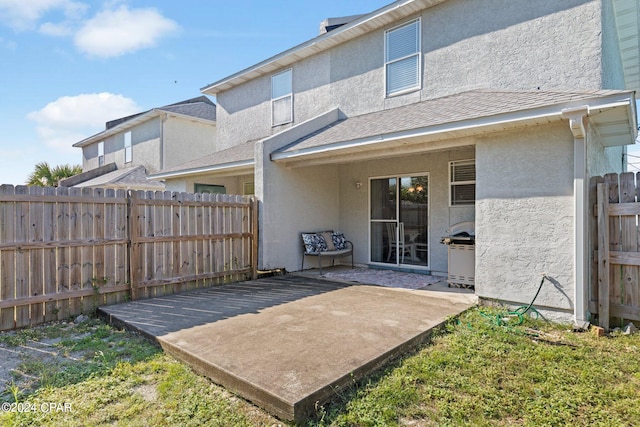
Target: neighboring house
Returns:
[[427, 113], [132, 147]]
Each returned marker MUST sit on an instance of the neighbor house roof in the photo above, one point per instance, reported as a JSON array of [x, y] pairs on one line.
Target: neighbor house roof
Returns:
[[200, 108], [464, 114], [134, 178], [231, 159]]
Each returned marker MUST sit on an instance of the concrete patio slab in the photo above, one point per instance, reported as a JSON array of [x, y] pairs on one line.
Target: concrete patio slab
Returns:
[[290, 343]]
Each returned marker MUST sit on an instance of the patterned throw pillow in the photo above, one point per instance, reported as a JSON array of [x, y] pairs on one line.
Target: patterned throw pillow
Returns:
[[339, 241], [313, 243]]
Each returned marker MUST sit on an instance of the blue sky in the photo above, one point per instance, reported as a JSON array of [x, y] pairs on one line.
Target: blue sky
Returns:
[[68, 66]]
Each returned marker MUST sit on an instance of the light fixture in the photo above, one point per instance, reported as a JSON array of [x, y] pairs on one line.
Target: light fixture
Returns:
[[358, 185]]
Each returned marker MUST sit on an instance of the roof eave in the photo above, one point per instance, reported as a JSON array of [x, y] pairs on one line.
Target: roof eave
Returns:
[[469, 127], [119, 128], [225, 167]]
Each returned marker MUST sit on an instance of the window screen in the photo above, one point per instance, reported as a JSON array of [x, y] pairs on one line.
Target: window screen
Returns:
[[402, 58], [462, 182]]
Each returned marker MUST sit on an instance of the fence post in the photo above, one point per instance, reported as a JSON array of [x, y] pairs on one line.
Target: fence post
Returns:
[[254, 239], [603, 255], [134, 246]]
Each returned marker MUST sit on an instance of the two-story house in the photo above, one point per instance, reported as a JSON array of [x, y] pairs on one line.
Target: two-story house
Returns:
[[428, 113], [130, 148]]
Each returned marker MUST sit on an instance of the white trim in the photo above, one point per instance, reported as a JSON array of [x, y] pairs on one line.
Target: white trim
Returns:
[[140, 118], [205, 169]]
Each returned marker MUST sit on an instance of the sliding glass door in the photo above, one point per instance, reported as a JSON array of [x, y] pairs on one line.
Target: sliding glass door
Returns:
[[399, 219]]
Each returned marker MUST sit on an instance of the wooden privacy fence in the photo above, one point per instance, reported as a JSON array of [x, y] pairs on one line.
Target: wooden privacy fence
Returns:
[[66, 251], [615, 289]]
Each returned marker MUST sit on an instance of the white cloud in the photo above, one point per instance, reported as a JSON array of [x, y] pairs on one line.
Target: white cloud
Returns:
[[70, 119], [56, 30], [24, 14], [116, 32]]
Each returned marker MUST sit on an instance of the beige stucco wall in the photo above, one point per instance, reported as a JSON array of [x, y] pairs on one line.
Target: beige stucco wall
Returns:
[[145, 145], [524, 216], [185, 139]]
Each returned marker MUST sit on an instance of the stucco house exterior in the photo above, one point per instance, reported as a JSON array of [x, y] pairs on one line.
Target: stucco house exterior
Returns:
[[427, 113], [130, 148]]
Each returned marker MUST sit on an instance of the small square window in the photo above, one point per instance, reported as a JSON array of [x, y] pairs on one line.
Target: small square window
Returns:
[[462, 183]]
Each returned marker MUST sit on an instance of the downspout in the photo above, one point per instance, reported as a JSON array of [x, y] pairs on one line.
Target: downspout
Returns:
[[578, 123]]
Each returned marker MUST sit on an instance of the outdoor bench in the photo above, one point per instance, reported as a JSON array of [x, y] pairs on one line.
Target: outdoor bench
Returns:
[[326, 244]]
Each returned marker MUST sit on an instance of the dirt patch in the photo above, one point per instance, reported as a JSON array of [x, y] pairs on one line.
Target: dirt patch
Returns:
[[30, 358]]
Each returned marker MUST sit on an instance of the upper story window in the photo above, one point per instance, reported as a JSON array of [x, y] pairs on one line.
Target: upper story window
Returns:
[[462, 182], [281, 98], [128, 151], [101, 153], [402, 58]]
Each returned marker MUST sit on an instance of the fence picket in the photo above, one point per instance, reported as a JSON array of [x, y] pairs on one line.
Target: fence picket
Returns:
[[49, 256], [22, 258], [63, 284], [7, 258], [36, 264]]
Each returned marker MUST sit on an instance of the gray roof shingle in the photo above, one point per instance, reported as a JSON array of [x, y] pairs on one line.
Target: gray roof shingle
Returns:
[[450, 109]]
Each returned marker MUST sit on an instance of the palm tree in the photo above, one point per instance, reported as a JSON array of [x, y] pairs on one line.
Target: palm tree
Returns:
[[44, 175]]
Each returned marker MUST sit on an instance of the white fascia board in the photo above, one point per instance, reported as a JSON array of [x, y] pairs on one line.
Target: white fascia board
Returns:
[[550, 113], [242, 164], [119, 128]]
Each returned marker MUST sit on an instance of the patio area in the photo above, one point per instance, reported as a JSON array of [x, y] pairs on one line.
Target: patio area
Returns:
[[289, 343]]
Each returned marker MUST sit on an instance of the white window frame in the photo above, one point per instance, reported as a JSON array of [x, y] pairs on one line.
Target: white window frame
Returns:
[[128, 149], [100, 153], [452, 183], [281, 97], [417, 54]]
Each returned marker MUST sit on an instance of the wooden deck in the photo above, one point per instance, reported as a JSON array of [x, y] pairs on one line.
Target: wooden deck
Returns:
[[289, 343]]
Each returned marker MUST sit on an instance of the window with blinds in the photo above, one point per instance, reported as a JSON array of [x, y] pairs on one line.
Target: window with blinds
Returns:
[[402, 58], [281, 98], [462, 181]]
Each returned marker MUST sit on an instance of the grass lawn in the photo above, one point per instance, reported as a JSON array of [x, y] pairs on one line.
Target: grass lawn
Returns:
[[472, 373]]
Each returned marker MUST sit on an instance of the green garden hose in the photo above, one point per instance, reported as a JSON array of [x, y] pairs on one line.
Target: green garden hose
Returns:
[[503, 319]]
